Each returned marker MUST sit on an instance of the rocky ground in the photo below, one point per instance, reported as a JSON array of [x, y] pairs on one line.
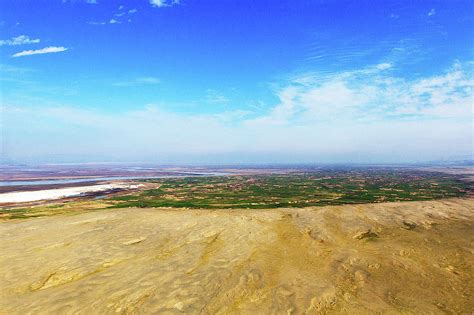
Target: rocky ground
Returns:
[[411, 257]]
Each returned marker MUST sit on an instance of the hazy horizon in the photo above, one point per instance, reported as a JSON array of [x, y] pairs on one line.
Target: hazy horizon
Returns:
[[466, 161]]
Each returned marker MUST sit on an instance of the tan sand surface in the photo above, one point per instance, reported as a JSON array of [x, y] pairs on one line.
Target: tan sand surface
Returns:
[[413, 258]]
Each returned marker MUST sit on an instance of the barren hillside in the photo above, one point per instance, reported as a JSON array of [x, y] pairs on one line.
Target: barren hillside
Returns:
[[414, 257]]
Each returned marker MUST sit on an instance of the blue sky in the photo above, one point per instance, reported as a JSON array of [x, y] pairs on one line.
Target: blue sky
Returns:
[[236, 81]]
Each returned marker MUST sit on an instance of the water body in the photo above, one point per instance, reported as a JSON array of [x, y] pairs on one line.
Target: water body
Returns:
[[46, 194], [4, 183]]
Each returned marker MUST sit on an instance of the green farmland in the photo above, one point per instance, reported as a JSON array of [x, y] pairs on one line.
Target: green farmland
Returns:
[[330, 187]]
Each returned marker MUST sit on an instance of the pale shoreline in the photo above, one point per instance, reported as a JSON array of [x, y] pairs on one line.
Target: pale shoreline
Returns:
[[48, 194]]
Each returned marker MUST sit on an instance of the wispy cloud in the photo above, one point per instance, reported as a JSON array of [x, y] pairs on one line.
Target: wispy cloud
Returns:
[[432, 12], [383, 66], [148, 80], [85, 1], [96, 23], [4, 68], [365, 115], [138, 81], [371, 93], [14, 74], [118, 17], [19, 40], [163, 3], [46, 50], [215, 97]]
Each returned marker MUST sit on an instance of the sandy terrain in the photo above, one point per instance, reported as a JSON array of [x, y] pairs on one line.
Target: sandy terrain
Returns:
[[413, 257]]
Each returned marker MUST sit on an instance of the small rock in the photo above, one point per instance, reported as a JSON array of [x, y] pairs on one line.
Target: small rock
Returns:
[[179, 306], [134, 241], [428, 224], [452, 269], [375, 266], [284, 292], [361, 277], [365, 234], [347, 297], [409, 225]]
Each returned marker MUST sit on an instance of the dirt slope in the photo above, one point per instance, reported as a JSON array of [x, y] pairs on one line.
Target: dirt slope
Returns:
[[414, 257]]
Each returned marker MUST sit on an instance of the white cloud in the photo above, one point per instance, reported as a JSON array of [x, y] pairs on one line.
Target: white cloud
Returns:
[[46, 50], [158, 3], [366, 115], [383, 66], [151, 133], [371, 94], [19, 40], [432, 12], [117, 17], [163, 3]]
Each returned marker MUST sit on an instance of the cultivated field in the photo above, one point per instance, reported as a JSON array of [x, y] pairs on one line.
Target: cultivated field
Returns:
[[302, 189], [258, 191]]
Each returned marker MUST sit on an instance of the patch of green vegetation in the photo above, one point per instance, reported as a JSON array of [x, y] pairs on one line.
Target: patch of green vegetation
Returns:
[[53, 209], [24, 213], [316, 188]]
